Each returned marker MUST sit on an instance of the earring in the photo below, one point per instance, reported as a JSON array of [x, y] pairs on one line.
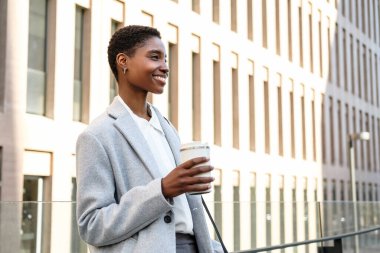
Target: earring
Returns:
[[124, 69]]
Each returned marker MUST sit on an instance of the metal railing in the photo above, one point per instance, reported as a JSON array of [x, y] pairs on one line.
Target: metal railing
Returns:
[[336, 248], [277, 227]]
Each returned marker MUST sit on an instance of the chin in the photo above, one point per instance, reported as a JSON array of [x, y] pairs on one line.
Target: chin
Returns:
[[160, 91]]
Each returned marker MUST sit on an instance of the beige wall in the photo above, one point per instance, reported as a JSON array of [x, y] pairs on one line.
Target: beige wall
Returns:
[[193, 32]]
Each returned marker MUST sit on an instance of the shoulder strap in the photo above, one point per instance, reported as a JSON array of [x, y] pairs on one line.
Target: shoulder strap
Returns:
[[214, 225]]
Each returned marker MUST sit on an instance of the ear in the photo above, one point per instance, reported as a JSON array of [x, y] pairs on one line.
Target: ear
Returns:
[[121, 60]]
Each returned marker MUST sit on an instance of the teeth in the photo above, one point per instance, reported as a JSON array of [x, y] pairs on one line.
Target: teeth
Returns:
[[160, 78]]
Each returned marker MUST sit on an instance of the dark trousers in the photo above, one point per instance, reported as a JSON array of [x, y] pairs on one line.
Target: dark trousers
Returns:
[[185, 243]]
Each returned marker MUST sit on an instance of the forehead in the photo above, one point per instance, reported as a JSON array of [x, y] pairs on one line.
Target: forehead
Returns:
[[151, 44]]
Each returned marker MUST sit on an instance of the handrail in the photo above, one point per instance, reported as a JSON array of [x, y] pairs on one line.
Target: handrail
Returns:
[[328, 238]]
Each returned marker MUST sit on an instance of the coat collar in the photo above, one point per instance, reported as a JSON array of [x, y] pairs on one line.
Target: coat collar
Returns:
[[129, 129]]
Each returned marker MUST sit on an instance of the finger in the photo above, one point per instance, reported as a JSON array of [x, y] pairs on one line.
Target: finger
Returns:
[[198, 187], [192, 162], [199, 170], [199, 180]]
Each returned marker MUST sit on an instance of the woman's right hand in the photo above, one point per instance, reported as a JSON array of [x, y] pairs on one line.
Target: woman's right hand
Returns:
[[182, 179]]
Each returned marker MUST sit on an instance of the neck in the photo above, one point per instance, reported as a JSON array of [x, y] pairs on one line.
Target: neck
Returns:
[[138, 105]]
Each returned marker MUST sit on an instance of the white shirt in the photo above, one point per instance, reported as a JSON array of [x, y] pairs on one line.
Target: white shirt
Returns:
[[155, 137]]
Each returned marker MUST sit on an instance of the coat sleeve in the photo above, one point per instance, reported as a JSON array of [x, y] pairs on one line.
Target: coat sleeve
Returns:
[[101, 220]]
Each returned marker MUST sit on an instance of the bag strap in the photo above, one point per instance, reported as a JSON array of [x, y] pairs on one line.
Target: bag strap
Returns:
[[214, 225]]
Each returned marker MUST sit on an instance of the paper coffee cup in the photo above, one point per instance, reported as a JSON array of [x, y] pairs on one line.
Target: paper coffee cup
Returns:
[[193, 150]]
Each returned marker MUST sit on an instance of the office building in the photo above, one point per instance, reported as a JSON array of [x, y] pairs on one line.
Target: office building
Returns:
[[274, 86]]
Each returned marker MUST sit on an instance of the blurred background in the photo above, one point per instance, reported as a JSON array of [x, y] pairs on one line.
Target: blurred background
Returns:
[[286, 92]]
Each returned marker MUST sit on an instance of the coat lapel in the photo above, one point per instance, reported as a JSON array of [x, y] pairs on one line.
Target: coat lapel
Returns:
[[171, 136], [128, 128]]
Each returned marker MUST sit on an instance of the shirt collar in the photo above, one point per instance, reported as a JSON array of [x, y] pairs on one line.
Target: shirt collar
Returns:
[[154, 122]]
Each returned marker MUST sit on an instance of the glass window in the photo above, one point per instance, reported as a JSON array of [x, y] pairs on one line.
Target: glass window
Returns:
[[35, 226], [78, 66], [311, 44], [268, 218], [113, 83], [294, 210], [370, 66], [264, 21], [266, 111], [377, 84], [250, 19], [36, 87], [313, 127], [325, 196], [290, 55], [345, 72], [352, 64], [306, 219], [320, 43], [218, 207], [252, 123], [217, 103], [196, 99], [300, 34], [337, 55], [77, 245], [292, 124], [279, 114], [236, 208], [195, 6], [303, 122], [277, 16], [332, 133], [323, 129], [215, 11], [173, 83], [1, 167], [253, 216], [3, 26], [235, 107], [233, 16], [358, 68], [365, 83], [340, 133], [282, 217], [333, 190]]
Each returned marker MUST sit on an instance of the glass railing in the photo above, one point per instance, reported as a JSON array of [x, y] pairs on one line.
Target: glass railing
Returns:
[[244, 226], [254, 225]]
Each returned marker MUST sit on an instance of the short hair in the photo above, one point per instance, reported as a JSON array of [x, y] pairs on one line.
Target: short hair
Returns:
[[127, 40]]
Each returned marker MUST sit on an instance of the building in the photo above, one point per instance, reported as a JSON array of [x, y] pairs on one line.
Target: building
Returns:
[[275, 87]]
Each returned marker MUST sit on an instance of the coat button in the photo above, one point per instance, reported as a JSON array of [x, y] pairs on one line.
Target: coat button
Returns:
[[167, 219]]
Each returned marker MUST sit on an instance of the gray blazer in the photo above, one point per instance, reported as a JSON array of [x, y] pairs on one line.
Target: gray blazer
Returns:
[[120, 206]]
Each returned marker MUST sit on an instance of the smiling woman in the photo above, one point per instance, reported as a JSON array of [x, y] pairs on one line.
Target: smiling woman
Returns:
[[132, 189], [145, 71]]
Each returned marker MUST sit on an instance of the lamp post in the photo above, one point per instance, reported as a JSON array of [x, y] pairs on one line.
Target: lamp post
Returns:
[[351, 138]]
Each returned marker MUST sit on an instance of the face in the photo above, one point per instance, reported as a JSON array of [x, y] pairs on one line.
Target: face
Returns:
[[147, 70]]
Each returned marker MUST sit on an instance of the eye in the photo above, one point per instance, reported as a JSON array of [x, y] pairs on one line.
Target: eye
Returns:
[[155, 57]]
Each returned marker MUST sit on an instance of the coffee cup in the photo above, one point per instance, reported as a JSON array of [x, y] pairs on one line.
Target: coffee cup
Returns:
[[196, 149]]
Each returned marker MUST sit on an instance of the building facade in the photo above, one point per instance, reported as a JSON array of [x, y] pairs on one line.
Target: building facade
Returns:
[[275, 87]]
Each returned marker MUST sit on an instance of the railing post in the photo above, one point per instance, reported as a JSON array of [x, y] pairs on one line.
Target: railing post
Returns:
[[337, 248]]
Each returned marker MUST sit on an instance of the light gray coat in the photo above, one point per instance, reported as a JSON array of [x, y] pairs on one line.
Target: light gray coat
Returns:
[[120, 206]]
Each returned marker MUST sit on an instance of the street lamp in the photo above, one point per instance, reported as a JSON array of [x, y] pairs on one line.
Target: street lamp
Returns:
[[351, 138]]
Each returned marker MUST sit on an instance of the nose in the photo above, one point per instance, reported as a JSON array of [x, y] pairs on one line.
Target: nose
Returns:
[[164, 67]]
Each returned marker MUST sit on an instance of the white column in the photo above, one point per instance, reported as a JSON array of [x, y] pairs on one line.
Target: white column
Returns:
[[14, 40]]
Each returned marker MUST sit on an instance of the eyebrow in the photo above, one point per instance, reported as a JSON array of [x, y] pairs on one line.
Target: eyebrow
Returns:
[[157, 51]]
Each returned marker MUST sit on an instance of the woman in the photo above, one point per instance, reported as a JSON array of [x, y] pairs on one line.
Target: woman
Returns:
[[131, 188]]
